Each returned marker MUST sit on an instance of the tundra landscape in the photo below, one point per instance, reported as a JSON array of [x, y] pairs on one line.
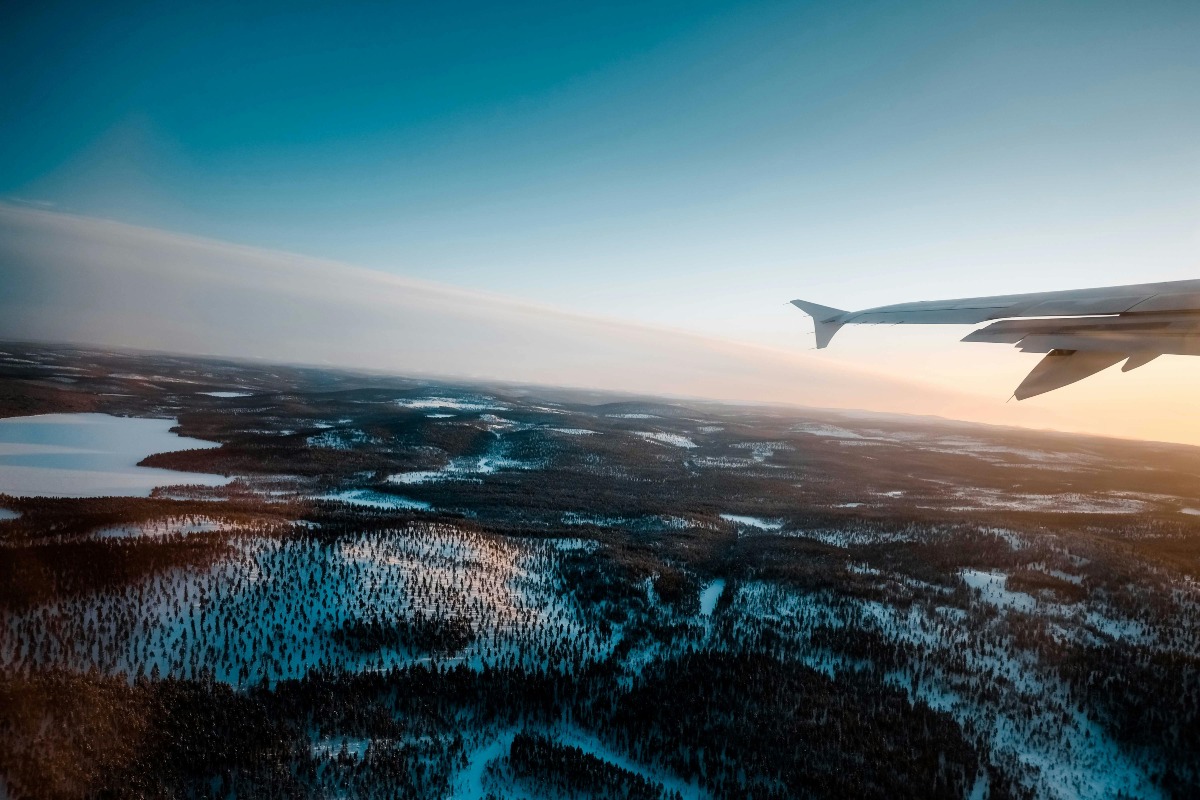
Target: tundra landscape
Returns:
[[299, 582]]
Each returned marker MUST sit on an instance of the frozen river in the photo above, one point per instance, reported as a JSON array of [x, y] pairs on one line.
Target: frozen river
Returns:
[[90, 455]]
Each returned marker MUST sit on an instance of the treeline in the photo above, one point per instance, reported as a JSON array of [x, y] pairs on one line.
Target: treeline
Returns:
[[37, 573], [70, 736], [573, 773]]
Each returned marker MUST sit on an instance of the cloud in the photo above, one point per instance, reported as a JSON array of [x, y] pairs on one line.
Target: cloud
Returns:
[[89, 281]]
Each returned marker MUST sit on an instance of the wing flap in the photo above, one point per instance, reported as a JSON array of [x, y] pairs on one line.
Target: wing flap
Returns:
[[1062, 368], [1138, 360], [1171, 344]]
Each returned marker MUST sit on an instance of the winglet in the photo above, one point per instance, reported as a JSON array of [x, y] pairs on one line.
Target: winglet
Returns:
[[827, 321]]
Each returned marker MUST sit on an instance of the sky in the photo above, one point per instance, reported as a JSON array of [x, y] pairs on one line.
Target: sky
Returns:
[[681, 170]]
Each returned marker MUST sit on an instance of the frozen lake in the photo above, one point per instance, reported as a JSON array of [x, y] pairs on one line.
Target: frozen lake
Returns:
[[90, 455]]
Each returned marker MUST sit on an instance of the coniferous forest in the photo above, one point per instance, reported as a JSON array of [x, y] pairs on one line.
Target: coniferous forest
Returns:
[[367, 586]]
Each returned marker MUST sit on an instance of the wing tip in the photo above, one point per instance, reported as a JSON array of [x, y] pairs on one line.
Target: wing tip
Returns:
[[826, 320]]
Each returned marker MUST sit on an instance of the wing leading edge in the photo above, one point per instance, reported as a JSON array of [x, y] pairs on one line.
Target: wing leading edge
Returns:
[[1081, 331]]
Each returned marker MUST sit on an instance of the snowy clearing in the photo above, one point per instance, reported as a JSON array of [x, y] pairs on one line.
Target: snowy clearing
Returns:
[[672, 439], [455, 403], [753, 522], [371, 499], [709, 596]]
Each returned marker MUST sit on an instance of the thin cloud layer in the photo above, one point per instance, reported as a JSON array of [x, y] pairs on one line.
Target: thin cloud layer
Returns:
[[89, 281]]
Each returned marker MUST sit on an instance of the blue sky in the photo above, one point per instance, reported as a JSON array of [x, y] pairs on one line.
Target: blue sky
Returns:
[[693, 165]]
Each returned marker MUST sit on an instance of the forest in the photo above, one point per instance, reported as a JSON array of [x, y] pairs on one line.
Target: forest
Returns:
[[418, 588]]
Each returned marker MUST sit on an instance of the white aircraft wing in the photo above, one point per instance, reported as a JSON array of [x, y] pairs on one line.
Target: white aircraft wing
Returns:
[[1081, 331]]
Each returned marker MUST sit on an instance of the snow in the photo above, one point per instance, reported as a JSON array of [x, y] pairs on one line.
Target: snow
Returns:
[[1115, 628], [574, 736], [657, 522], [673, 439], [709, 596], [456, 403], [761, 451], [468, 784], [1066, 503], [721, 462], [162, 527], [370, 499], [341, 440], [466, 467], [631, 416], [573, 431], [992, 586], [268, 610], [1034, 729], [1193, 512], [828, 431], [753, 522], [90, 455], [332, 745], [228, 394], [471, 782]]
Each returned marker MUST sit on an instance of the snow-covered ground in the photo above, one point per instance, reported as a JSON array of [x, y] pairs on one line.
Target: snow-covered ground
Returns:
[[709, 596], [672, 439], [271, 610], [992, 587], [1034, 729], [478, 777], [371, 499], [753, 522], [982, 499], [163, 526], [346, 439], [657, 522], [453, 403], [827, 431], [463, 468]]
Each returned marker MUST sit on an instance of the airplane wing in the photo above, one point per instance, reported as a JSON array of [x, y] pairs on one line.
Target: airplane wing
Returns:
[[1081, 331]]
